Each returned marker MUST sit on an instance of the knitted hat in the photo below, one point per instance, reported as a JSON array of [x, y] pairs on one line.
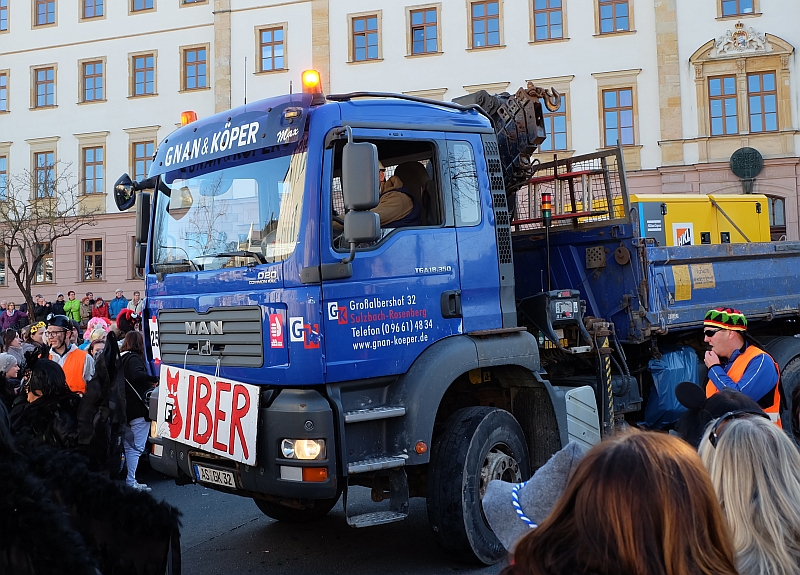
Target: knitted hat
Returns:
[[7, 361], [512, 510], [725, 318]]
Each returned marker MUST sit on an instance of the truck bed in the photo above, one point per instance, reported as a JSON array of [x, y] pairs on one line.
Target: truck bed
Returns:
[[645, 289]]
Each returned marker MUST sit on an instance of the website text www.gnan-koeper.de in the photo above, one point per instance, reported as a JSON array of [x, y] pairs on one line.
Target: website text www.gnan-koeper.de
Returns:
[[378, 343]]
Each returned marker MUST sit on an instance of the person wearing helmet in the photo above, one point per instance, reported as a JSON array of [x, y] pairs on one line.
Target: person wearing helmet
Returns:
[[735, 363], [78, 365]]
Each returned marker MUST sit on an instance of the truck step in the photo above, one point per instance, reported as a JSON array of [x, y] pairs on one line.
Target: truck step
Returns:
[[375, 518], [398, 502], [373, 414], [375, 464]]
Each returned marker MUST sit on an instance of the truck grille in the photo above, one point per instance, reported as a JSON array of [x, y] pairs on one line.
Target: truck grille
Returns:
[[231, 335]]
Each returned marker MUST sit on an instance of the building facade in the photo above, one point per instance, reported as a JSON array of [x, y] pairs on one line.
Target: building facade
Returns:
[[93, 87]]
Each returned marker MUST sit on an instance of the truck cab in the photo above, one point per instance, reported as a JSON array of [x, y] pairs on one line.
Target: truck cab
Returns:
[[298, 356]]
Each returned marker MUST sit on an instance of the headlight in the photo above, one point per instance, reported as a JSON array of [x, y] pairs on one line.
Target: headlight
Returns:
[[303, 448]]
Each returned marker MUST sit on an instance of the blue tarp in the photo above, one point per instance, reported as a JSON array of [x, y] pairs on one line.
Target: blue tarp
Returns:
[[677, 364]]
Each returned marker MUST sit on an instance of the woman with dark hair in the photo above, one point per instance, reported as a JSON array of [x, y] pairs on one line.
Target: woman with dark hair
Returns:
[[637, 504], [12, 344], [137, 382], [46, 409]]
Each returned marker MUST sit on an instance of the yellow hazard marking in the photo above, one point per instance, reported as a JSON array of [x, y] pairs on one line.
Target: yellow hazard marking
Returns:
[[703, 276], [683, 283], [475, 376]]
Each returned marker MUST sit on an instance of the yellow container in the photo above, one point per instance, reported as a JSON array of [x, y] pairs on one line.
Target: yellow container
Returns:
[[693, 219], [749, 212], [674, 219]]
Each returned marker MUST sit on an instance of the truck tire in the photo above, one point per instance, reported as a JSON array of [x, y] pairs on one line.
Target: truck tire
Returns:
[[292, 515], [478, 444], [790, 378]]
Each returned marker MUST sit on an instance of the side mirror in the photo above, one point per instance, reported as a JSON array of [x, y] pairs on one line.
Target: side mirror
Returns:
[[124, 193], [360, 184], [361, 227], [143, 218]]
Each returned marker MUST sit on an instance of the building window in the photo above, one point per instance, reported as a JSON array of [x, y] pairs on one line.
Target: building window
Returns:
[[547, 20], [777, 218], [763, 101], [44, 172], [92, 81], [556, 126], [271, 49], [485, 24], [3, 178], [365, 38], [618, 117], [45, 12], [45, 87], [194, 68], [93, 170], [142, 159], [3, 15], [144, 74], [140, 5], [194, 1], [424, 31], [737, 7], [2, 265], [3, 91], [92, 260], [722, 104], [44, 269], [92, 8], [614, 16]]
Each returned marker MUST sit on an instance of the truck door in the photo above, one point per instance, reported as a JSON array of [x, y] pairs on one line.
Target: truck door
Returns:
[[475, 233], [404, 292]]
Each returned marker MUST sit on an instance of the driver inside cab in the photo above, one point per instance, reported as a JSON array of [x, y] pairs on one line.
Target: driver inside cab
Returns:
[[398, 206]]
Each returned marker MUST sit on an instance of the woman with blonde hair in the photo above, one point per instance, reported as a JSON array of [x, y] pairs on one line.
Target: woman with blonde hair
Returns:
[[755, 470], [637, 504]]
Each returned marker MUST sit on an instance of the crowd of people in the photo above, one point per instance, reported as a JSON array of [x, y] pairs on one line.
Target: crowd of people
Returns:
[[79, 310], [73, 416], [67, 381]]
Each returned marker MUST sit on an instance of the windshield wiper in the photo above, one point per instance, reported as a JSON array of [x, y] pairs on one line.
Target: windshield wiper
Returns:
[[178, 262], [242, 254]]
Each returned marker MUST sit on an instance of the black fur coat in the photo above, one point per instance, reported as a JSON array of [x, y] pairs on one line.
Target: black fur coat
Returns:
[[56, 516]]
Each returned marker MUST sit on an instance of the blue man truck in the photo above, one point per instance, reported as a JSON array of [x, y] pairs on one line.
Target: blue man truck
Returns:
[[304, 349]]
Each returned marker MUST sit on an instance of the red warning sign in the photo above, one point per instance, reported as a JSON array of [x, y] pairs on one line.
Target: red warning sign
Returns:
[[275, 330]]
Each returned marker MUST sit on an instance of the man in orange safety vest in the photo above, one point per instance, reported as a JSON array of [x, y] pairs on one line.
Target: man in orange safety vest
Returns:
[[735, 363]]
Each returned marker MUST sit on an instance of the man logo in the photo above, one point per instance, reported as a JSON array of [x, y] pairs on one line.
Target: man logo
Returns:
[[203, 328], [683, 234]]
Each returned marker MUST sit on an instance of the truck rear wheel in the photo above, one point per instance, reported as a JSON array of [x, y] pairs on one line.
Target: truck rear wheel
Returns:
[[479, 444], [280, 512]]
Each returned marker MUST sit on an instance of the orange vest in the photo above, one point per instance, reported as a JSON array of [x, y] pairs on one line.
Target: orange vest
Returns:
[[73, 368], [736, 372]]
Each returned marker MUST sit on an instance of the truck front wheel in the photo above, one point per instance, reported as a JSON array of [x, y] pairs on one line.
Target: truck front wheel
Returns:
[[320, 509], [479, 444]]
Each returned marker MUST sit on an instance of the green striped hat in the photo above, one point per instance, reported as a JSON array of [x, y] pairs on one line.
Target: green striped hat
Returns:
[[725, 318]]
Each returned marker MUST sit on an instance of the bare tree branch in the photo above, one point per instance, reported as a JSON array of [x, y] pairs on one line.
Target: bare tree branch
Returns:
[[39, 208]]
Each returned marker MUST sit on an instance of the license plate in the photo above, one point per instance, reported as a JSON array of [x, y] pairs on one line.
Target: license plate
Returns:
[[215, 476]]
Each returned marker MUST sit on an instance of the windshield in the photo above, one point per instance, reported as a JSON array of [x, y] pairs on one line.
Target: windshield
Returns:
[[224, 213]]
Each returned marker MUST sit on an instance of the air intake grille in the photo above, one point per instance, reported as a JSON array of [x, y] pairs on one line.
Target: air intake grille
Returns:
[[502, 220], [232, 335]]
